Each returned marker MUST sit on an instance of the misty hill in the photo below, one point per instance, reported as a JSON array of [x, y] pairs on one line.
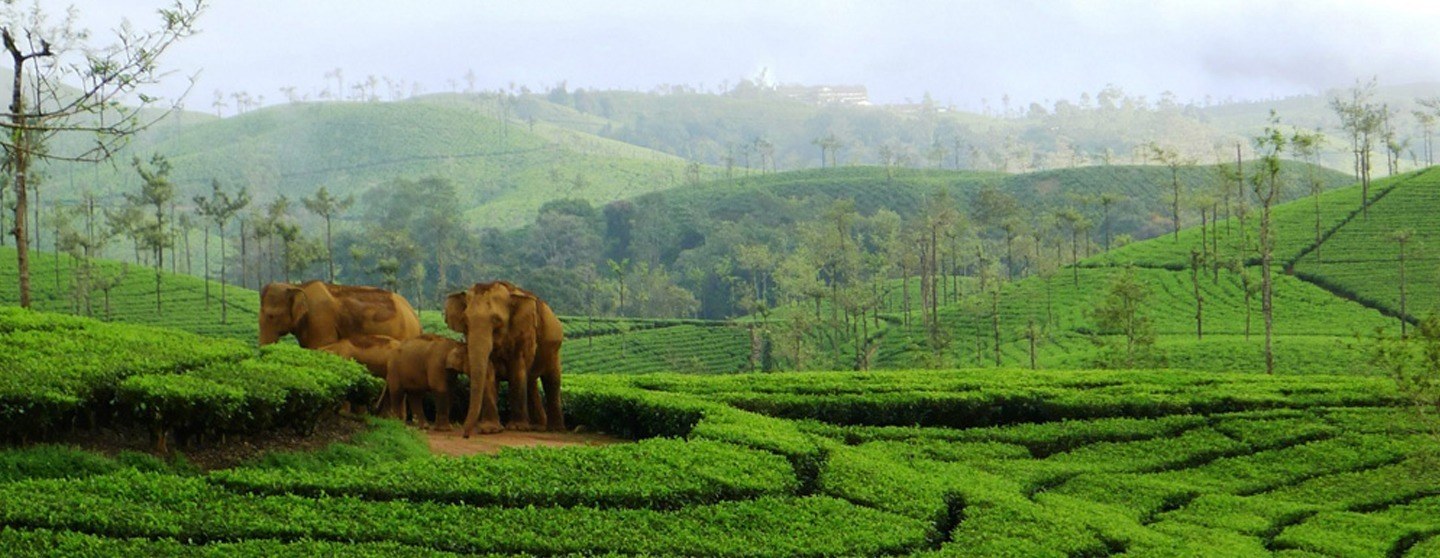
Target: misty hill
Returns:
[[504, 169], [1141, 209], [693, 235], [1109, 127]]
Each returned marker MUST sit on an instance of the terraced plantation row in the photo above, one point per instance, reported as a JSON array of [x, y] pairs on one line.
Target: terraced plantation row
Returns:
[[64, 373], [1294, 227], [965, 463], [1361, 258], [183, 301], [1317, 331]]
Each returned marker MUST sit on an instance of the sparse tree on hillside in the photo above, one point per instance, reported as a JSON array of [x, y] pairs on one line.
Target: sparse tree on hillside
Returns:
[[1120, 312], [1362, 120], [1306, 147], [59, 83], [1033, 333], [156, 191], [327, 207], [1266, 184], [1076, 224], [620, 269], [277, 216], [1107, 200], [1426, 118], [1197, 260], [1170, 157], [219, 208]]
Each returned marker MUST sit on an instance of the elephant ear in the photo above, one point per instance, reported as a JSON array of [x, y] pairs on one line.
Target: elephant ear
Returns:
[[299, 305], [455, 311]]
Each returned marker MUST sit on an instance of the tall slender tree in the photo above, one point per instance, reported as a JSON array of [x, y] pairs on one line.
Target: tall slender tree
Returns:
[[60, 82], [327, 207], [1266, 184], [220, 207], [1170, 157], [156, 191], [1306, 147]]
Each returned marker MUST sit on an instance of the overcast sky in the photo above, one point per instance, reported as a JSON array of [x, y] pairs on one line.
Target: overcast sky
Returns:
[[960, 52]]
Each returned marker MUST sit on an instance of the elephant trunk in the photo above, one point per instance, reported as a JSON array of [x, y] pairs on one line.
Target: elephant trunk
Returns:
[[482, 383], [268, 337]]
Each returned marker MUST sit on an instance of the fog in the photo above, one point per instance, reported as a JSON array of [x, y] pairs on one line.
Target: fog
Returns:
[[959, 52]]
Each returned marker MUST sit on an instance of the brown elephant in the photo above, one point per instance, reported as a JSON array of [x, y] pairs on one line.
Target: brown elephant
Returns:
[[426, 364], [319, 313], [512, 335], [371, 351]]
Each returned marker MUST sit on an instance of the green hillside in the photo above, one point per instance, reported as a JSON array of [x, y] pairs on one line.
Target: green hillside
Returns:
[[1360, 258], [505, 169], [1357, 256], [1315, 330], [1142, 208], [1110, 125], [1294, 229], [183, 299]]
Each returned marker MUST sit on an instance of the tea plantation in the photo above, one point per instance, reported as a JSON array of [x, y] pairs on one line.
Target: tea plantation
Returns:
[[968, 463]]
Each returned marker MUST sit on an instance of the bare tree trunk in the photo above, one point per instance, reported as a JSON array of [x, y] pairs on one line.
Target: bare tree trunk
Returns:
[[995, 322], [330, 253], [1266, 283], [225, 308], [1195, 262], [207, 265]]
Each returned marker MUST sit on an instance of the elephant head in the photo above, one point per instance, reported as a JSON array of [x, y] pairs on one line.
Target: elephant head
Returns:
[[283, 309], [498, 322], [458, 359]]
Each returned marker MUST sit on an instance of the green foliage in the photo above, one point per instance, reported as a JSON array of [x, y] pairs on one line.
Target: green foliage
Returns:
[[22, 543], [655, 474], [285, 386], [1360, 258], [1119, 312], [347, 147], [973, 463], [384, 441], [132, 300], [79, 372], [191, 508]]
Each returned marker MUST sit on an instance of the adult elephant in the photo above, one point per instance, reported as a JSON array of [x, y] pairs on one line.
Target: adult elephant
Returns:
[[319, 313], [513, 335]]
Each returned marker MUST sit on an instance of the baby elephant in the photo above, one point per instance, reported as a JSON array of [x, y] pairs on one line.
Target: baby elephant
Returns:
[[424, 364], [371, 351]]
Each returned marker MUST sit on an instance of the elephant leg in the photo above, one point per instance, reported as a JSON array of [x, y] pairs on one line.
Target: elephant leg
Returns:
[[490, 411], [553, 410], [519, 400], [417, 408], [397, 401], [484, 412], [547, 370], [440, 388]]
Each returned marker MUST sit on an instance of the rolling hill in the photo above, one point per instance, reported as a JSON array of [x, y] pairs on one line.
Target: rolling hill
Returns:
[[504, 169], [1356, 256]]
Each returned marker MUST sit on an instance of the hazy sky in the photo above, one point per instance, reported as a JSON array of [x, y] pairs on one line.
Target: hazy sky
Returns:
[[960, 52]]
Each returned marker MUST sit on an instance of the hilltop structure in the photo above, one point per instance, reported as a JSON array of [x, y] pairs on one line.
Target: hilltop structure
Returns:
[[854, 95]]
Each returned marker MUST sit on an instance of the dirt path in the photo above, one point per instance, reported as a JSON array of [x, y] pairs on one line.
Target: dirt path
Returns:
[[451, 443]]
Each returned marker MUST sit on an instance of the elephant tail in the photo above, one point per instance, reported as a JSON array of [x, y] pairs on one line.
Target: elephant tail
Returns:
[[378, 400]]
